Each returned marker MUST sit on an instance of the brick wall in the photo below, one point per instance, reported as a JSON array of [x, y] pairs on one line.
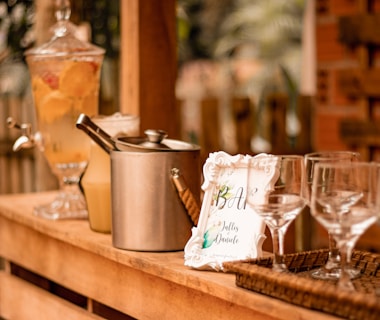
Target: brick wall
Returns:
[[332, 105], [333, 56]]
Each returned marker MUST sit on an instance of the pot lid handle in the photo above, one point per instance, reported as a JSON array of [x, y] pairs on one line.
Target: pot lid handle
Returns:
[[155, 136], [154, 139]]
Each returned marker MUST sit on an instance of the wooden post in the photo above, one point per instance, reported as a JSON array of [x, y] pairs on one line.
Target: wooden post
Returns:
[[243, 118], [149, 63], [210, 132]]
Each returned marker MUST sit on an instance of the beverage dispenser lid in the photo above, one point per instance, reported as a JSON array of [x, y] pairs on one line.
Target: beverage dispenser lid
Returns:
[[64, 42]]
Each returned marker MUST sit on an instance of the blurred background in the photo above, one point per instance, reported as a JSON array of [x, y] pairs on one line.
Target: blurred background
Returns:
[[277, 76], [238, 62]]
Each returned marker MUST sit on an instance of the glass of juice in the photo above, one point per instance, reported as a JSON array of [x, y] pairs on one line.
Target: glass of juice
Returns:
[[96, 181]]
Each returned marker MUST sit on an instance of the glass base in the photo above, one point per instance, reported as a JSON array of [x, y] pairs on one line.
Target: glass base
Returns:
[[65, 206], [333, 273], [280, 267]]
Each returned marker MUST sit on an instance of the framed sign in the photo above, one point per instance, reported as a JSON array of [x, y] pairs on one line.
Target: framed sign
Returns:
[[228, 229]]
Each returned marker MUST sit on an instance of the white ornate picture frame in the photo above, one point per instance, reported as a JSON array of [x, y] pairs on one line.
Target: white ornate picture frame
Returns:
[[228, 229]]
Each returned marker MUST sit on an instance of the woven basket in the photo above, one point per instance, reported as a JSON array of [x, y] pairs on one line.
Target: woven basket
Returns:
[[298, 287]]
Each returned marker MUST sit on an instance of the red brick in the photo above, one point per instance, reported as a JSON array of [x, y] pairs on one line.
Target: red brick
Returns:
[[336, 96], [376, 6], [327, 127], [344, 7], [328, 47], [376, 111], [376, 58], [336, 7]]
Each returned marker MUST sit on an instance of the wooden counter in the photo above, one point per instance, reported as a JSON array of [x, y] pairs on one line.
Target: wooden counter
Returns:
[[79, 272]]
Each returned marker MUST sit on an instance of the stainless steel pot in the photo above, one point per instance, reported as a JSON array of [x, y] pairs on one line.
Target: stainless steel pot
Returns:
[[147, 212]]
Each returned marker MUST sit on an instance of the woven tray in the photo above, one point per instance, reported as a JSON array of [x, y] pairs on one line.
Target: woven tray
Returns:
[[298, 287]]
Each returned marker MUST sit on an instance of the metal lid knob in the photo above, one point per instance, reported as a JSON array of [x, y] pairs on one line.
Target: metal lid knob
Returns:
[[155, 136], [154, 139]]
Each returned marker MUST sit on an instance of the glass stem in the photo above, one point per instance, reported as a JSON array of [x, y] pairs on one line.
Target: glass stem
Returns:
[[345, 257], [68, 178], [69, 187], [278, 249], [334, 255]]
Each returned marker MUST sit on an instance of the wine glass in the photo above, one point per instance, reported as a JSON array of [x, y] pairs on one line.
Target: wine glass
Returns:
[[65, 74], [344, 200], [331, 269], [276, 191]]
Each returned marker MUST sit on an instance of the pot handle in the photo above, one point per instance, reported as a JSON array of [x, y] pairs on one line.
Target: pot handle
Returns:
[[186, 195], [102, 138]]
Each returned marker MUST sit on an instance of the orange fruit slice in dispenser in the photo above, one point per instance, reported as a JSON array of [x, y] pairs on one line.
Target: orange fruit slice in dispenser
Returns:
[[87, 105], [54, 106], [78, 79], [40, 89]]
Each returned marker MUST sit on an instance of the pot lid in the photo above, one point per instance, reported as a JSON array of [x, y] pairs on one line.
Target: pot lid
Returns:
[[155, 140], [64, 42]]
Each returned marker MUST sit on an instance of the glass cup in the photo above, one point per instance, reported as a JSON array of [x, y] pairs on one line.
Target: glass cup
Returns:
[[277, 192], [331, 270], [345, 201], [96, 181]]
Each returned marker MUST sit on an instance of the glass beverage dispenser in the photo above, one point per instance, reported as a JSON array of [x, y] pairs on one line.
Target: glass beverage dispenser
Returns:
[[65, 74]]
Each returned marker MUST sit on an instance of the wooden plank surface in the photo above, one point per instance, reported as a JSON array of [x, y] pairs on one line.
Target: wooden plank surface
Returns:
[[21, 300], [145, 285]]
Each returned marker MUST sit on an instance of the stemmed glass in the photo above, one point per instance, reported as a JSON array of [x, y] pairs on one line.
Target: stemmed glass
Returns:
[[344, 200], [331, 269], [65, 74], [276, 191]]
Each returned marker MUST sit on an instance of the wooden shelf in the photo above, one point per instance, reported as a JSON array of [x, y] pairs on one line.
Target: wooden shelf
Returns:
[[143, 285]]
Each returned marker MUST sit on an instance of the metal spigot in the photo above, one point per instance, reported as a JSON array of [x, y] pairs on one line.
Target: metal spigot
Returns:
[[26, 140]]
